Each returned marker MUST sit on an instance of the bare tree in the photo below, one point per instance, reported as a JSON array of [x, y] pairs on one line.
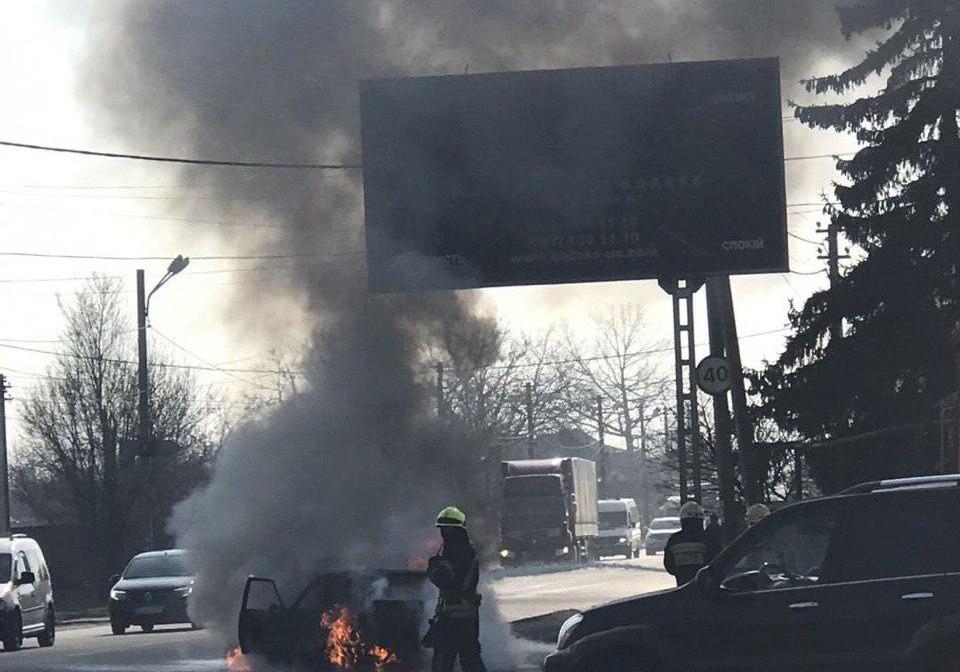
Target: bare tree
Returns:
[[79, 452]]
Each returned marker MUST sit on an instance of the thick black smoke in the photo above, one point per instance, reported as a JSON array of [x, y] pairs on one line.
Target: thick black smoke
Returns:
[[344, 472]]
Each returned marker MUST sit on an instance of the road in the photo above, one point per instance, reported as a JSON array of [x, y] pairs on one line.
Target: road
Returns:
[[521, 593]]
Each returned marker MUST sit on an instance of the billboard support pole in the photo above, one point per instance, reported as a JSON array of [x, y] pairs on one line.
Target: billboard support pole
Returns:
[[685, 363]]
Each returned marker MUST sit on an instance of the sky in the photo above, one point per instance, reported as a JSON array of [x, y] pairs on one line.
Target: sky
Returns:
[[62, 204]]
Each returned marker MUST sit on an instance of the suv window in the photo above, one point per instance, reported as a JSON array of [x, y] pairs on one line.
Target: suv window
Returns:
[[789, 551], [895, 534]]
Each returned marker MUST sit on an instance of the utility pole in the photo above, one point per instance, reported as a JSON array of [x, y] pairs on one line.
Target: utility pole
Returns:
[[529, 396], [600, 428], [143, 393], [644, 481], [721, 414], [798, 470], [602, 453], [4, 469], [627, 420], [833, 258], [441, 402], [743, 429]]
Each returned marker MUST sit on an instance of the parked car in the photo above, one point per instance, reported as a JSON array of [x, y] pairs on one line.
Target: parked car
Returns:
[[659, 532], [26, 594], [620, 532], [866, 580], [154, 589]]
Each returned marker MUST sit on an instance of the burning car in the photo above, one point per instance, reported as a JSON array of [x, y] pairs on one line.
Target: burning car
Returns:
[[363, 621]]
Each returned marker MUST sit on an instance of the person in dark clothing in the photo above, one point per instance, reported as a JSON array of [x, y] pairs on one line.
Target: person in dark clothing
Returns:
[[686, 550], [455, 629], [714, 537]]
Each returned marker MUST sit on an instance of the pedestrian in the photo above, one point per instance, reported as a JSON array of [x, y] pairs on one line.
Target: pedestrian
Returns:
[[714, 537], [686, 550], [455, 628]]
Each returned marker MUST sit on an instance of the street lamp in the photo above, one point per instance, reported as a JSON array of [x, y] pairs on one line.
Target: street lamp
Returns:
[[143, 307]]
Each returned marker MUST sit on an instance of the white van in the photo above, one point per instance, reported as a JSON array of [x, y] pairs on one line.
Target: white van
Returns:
[[26, 594], [620, 530]]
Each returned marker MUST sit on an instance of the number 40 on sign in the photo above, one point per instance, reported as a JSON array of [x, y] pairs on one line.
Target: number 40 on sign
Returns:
[[714, 375]]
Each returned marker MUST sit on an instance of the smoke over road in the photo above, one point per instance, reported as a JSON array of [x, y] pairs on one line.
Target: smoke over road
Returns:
[[352, 470]]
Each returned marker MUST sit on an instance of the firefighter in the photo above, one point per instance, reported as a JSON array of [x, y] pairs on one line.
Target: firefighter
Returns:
[[686, 550], [455, 628], [713, 536]]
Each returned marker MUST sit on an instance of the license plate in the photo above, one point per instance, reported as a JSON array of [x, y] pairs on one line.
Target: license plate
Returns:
[[149, 610]]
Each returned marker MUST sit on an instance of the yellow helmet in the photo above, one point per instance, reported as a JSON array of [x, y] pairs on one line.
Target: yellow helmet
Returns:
[[691, 510], [451, 517]]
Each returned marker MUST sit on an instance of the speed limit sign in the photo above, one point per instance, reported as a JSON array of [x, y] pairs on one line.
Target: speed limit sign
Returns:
[[714, 375]]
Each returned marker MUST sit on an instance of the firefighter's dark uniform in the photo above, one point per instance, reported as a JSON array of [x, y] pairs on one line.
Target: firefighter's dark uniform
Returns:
[[686, 550], [714, 538], [456, 572]]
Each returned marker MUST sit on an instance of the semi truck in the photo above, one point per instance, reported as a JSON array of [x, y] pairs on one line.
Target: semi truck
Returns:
[[548, 511]]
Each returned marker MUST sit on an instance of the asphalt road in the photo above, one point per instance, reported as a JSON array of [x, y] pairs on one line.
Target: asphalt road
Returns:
[[521, 593]]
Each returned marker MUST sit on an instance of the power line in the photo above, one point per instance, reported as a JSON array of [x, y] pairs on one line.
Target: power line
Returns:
[[254, 164], [172, 159], [167, 257], [801, 238]]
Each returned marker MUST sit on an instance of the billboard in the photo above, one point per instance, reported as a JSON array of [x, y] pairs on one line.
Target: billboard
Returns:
[[580, 175]]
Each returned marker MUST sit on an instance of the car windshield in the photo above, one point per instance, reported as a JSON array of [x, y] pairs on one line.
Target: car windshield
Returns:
[[665, 524], [610, 520], [156, 566], [6, 565]]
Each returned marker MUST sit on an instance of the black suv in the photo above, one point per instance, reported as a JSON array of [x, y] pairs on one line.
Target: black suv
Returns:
[[866, 580]]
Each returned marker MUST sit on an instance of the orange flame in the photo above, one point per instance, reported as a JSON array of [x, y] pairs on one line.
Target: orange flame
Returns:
[[237, 662], [345, 647]]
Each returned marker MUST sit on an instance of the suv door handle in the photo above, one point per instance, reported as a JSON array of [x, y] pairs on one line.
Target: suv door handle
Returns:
[[804, 605], [916, 596]]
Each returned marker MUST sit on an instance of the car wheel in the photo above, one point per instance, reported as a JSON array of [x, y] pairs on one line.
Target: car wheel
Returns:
[[117, 627], [49, 634], [146, 627], [13, 638]]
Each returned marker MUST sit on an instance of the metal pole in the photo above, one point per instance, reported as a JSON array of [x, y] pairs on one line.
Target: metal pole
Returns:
[[600, 428], [681, 406], [694, 405], [744, 431], [721, 413], [4, 470], [798, 468], [143, 393], [644, 499]]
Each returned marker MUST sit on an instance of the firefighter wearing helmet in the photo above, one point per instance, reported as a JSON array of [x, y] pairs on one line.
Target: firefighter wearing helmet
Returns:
[[756, 513], [455, 628], [686, 551]]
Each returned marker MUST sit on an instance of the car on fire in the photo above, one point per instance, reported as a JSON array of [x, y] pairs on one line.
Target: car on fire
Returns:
[[357, 620], [154, 589], [848, 582]]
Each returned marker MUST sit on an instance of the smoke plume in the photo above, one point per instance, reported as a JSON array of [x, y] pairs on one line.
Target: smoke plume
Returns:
[[354, 468]]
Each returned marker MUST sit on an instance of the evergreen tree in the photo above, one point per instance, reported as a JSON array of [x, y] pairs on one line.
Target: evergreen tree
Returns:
[[870, 396]]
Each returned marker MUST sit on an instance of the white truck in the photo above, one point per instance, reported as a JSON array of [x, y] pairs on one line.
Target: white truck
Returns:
[[620, 529]]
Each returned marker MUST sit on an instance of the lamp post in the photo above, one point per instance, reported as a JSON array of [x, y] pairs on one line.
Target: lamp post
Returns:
[[143, 308]]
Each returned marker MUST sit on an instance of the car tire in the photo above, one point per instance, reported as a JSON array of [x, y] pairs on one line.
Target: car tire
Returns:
[[13, 637], [146, 627], [49, 634], [117, 627]]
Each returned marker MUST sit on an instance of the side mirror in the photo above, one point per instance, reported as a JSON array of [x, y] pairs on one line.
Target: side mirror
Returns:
[[708, 582], [113, 579], [26, 578]]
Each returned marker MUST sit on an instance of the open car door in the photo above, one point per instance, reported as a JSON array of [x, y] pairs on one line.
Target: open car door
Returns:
[[262, 622]]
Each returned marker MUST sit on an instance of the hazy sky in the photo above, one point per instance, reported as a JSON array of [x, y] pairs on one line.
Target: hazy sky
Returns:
[[61, 204]]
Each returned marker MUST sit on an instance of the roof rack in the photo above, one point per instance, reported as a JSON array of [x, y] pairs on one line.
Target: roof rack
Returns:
[[912, 483]]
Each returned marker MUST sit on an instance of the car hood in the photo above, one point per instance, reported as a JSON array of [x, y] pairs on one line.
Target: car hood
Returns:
[[155, 583], [658, 607]]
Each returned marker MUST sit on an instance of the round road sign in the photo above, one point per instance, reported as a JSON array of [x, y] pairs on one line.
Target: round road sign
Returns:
[[714, 375]]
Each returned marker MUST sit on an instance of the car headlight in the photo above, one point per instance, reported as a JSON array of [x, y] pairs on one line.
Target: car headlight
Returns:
[[506, 553], [567, 629], [118, 594], [183, 592], [623, 540], [563, 551]]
